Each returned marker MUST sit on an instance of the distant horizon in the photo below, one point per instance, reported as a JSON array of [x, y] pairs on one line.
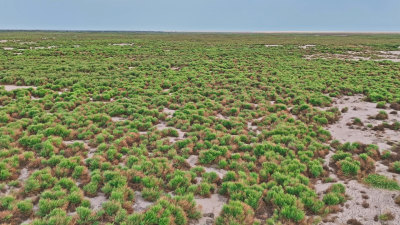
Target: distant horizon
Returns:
[[238, 16], [211, 31]]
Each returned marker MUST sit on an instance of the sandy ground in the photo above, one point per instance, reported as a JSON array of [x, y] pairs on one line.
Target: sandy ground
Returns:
[[140, 204], [123, 44], [181, 134], [194, 159], [210, 208], [91, 151], [357, 108], [14, 87], [222, 117], [272, 46], [117, 118], [96, 202], [379, 201], [252, 127], [169, 112], [307, 46], [175, 68], [393, 56]]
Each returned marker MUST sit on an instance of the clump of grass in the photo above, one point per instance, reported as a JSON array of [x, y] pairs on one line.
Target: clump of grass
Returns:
[[328, 180], [380, 181], [382, 115], [335, 195], [236, 212], [357, 121], [386, 216], [395, 167], [381, 105], [386, 154], [349, 166]]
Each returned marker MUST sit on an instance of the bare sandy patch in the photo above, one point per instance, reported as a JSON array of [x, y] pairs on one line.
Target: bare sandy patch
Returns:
[[117, 119], [96, 202], [91, 150], [273, 46], [34, 98], [24, 175], [181, 135], [357, 108], [62, 91], [169, 112], [26, 222], [364, 203], [122, 44], [175, 68], [210, 208], [41, 47], [222, 117], [27, 43], [383, 170], [376, 56], [192, 160], [253, 128], [213, 168], [140, 204], [390, 52], [380, 201], [336, 56], [91, 153], [306, 46], [14, 87]]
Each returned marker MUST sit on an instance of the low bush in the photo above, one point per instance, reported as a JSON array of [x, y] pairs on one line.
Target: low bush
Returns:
[[236, 212], [380, 181]]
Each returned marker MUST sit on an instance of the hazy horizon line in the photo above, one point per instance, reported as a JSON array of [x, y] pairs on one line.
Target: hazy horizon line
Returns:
[[212, 31]]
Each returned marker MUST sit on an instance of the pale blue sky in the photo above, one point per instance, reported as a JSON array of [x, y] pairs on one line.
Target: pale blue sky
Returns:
[[202, 15]]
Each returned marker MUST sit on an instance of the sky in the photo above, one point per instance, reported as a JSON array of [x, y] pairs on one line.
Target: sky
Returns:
[[202, 15]]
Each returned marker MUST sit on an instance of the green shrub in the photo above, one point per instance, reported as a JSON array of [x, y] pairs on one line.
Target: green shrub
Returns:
[[381, 105], [84, 215], [151, 194], [395, 166], [111, 207], [338, 188], [235, 212], [382, 115], [292, 212], [315, 168], [6, 202], [380, 181], [350, 166], [25, 206], [4, 173], [333, 198], [4, 118]]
